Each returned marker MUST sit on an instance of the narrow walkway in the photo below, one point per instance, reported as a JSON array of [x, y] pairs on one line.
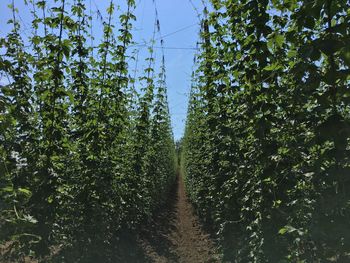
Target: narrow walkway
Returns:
[[176, 235]]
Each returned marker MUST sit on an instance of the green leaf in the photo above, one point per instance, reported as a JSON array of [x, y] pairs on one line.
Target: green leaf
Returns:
[[8, 189], [24, 191], [345, 55], [279, 40], [287, 229], [273, 67], [30, 219]]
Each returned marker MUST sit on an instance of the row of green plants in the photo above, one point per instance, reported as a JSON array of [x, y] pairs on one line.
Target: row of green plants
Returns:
[[86, 146], [266, 151]]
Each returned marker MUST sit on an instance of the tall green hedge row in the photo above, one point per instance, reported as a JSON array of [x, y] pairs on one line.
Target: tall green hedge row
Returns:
[[266, 152], [85, 154]]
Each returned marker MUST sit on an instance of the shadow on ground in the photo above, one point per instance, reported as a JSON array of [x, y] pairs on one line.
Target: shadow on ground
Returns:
[[150, 243], [155, 236]]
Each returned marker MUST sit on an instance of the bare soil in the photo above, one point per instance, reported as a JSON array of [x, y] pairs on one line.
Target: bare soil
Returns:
[[176, 235]]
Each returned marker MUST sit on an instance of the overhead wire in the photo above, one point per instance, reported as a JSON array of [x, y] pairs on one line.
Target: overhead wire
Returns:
[[167, 35], [196, 10], [163, 47]]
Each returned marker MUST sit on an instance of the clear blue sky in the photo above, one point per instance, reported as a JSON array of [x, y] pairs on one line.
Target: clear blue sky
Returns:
[[179, 26]]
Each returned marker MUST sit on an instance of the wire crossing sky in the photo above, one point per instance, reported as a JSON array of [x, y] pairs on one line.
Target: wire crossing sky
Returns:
[[179, 27]]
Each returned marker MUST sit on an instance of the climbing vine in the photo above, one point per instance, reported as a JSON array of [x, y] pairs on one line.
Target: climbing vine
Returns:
[[80, 145], [266, 146]]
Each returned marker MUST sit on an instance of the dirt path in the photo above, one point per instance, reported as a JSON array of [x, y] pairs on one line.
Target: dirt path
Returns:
[[175, 234]]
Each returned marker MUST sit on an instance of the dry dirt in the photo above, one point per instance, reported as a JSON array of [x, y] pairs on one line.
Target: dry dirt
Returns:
[[175, 235]]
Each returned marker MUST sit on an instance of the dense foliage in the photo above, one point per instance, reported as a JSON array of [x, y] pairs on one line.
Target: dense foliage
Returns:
[[266, 152], [85, 156]]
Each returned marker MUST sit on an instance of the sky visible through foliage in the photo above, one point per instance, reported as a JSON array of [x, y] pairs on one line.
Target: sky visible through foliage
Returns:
[[179, 26]]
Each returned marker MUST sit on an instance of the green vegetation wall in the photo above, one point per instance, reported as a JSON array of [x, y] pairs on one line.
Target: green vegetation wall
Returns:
[[84, 157], [266, 152]]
